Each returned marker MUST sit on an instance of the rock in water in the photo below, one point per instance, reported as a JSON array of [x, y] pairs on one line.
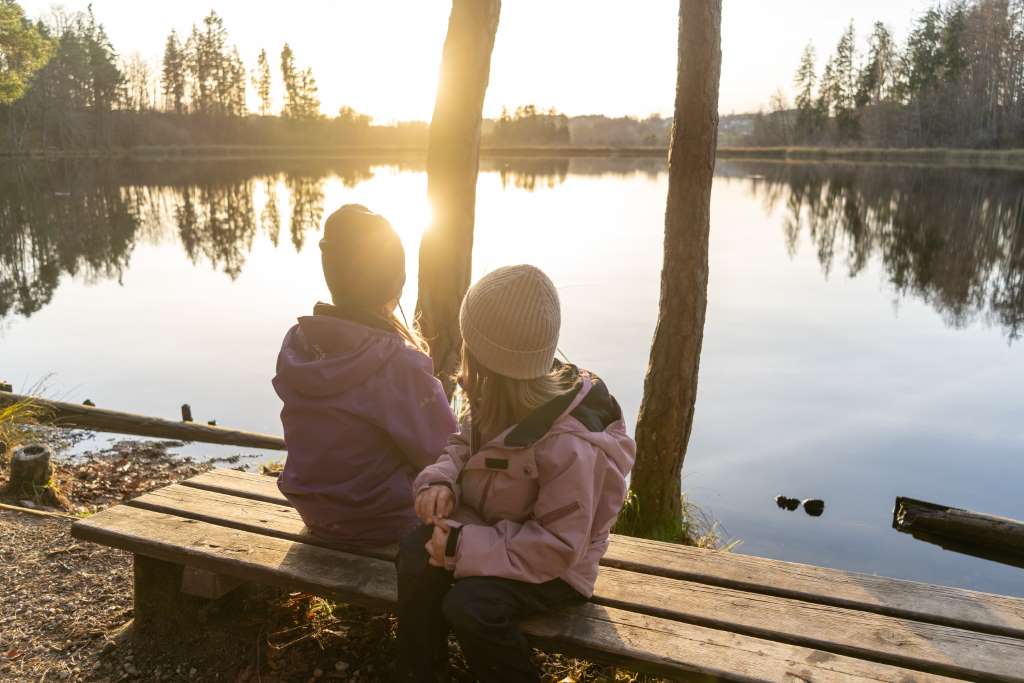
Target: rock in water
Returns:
[[814, 507], [787, 503], [30, 469]]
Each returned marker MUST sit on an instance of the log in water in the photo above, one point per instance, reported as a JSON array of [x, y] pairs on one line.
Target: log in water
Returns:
[[99, 419], [958, 529]]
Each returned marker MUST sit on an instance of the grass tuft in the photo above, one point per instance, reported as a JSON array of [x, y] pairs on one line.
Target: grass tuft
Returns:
[[16, 423], [695, 527]]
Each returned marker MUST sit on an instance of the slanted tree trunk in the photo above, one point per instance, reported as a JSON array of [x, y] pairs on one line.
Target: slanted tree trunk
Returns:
[[446, 252], [670, 388]]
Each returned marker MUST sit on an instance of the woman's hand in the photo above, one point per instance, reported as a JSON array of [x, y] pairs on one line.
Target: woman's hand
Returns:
[[435, 503], [436, 545]]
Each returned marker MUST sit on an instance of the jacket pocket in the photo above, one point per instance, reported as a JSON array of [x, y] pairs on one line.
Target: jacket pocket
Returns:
[[558, 513]]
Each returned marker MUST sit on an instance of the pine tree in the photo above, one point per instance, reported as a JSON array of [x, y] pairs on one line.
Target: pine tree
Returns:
[[807, 115], [261, 81], [302, 98], [173, 77], [24, 49], [826, 89], [876, 80], [923, 56], [844, 85], [216, 74]]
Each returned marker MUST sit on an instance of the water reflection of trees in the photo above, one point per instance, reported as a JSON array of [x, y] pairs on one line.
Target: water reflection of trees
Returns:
[[83, 219], [953, 237], [68, 220]]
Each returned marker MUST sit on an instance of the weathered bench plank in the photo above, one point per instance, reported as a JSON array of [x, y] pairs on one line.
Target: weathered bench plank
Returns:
[[647, 643], [896, 641], [972, 610]]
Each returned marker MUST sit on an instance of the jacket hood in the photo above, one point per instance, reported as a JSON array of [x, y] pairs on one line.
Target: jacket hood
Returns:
[[324, 355], [587, 400]]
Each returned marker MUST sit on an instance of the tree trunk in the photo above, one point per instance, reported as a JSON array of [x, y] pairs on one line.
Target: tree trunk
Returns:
[[670, 388], [446, 252]]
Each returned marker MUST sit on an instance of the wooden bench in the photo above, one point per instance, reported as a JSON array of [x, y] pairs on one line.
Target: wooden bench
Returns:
[[660, 608]]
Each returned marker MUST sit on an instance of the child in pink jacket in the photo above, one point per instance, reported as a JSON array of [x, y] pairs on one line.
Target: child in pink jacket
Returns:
[[518, 509]]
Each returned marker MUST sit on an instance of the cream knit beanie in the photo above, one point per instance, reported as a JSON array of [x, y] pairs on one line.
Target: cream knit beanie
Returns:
[[510, 320]]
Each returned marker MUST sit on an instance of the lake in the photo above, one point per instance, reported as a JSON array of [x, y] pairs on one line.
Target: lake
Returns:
[[862, 336]]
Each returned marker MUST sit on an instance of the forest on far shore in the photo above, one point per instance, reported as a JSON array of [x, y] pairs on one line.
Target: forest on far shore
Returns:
[[957, 81], [63, 86]]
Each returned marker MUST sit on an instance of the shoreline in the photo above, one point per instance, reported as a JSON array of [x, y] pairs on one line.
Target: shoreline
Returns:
[[996, 158]]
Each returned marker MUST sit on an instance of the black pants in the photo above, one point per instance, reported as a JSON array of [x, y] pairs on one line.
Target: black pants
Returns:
[[482, 610]]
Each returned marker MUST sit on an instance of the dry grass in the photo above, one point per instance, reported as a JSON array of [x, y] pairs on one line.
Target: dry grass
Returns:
[[17, 421]]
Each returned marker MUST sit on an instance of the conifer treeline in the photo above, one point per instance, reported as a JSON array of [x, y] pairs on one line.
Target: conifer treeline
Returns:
[[64, 86], [957, 80]]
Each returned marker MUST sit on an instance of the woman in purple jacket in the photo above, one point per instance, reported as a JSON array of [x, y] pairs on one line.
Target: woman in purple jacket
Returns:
[[363, 413]]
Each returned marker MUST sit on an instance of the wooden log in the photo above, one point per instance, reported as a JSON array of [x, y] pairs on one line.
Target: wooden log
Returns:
[[102, 420], [921, 518], [31, 470]]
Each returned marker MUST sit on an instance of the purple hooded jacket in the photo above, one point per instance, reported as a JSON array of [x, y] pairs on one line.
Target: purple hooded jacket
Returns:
[[362, 415]]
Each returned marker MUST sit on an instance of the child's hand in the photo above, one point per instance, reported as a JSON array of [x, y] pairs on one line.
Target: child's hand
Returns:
[[436, 545], [434, 503]]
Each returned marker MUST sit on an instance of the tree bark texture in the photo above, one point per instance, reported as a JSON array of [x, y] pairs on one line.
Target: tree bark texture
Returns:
[[670, 387], [446, 252]]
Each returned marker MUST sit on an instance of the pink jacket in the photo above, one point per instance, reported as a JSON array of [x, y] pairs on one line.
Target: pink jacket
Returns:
[[537, 502]]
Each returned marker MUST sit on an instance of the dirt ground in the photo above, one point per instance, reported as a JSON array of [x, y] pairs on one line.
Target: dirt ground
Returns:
[[66, 606]]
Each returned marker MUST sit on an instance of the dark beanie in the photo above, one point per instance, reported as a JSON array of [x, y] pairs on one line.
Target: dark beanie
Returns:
[[363, 258]]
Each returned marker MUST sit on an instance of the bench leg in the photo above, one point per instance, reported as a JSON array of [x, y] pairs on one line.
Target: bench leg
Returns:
[[159, 603]]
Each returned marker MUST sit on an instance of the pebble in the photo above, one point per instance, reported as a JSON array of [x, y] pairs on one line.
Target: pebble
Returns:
[[340, 665], [787, 503], [317, 673], [814, 507], [192, 672]]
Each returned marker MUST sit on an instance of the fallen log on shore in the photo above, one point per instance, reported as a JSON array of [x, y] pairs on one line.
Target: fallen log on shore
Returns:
[[997, 538], [72, 415]]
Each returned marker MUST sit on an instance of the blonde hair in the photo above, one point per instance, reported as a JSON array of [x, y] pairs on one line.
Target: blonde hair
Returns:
[[410, 333], [494, 402]]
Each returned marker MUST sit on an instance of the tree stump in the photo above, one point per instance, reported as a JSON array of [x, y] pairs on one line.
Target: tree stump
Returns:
[[31, 469], [32, 475]]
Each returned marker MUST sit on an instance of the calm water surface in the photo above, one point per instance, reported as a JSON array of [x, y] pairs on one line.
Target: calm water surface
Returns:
[[861, 339]]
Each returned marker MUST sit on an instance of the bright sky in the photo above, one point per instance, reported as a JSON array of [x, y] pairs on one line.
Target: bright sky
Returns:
[[581, 56]]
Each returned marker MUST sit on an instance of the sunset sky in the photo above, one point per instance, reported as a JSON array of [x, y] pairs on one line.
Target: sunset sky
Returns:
[[580, 56]]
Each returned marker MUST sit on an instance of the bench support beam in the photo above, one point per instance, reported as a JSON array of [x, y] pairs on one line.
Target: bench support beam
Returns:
[[160, 604]]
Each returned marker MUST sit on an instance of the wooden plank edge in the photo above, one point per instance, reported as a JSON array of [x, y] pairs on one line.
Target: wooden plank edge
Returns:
[[548, 630], [387, 553], [826, 600], [278, 499]]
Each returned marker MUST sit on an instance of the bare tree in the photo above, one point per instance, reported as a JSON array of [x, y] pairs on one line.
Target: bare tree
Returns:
[[446, 252], [670, 388]]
